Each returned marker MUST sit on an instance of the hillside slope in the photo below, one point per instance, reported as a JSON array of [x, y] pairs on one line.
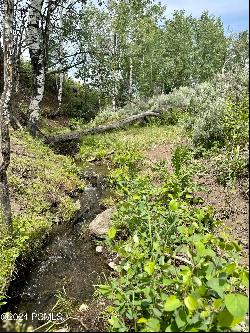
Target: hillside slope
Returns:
[[41, 184]]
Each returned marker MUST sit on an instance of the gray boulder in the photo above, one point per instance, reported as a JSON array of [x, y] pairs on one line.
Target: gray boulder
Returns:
[[101, 224]]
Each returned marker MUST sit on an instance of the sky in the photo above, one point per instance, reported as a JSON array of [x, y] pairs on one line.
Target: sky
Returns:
[[234, 13]]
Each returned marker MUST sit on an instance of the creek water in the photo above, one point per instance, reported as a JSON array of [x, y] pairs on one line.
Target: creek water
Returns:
[[68, 266]]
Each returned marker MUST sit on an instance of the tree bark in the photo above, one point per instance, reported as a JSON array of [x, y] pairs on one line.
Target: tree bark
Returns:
[[1, 67], [130, 77], [5, 105], [46, 35], [60, 91], [36, 50], [61, 74], [75, 135], [114, 72]]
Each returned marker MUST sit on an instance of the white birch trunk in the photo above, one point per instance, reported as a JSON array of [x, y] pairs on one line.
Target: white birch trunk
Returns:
[[35, 44], [114, 74], [130, 77], [60, 90], [113, 101], [5, 106], [61, 75]]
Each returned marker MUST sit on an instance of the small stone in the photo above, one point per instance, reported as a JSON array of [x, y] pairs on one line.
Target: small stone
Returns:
[[78, 204], [101, 224], [83, 307], [112, 265], [99, 249], [56, 220]]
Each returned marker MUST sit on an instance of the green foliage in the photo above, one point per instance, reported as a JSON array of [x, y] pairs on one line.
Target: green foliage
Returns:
[[175, 273], [220, 116], [79, 101], [128, 54], [131, 143], [238, 50], [220, 110], [236, 120], [179, 157], [231, 164], [40, 184]]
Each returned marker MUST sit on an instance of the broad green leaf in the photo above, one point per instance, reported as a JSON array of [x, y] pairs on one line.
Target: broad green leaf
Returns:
[[225, 319], [230, 268], [142, 320], [204, 314], [173, 205], [181, 318], [114, 321], [157, 312], [210, 270], [172, 303], [149, 267], [112, 232], [191, 303], [217, 303], [201, 291], [237, 304], [104, 289], [153, 325], [197, 281], [193, 329], [167, 282], [217, 285], [209, 253], [245, 279], [200, 247]]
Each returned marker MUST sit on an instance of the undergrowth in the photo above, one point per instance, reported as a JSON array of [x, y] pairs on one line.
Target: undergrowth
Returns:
[[177, 272], [41, 184]]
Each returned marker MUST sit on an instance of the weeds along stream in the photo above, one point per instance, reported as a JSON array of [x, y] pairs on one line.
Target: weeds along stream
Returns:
[[67, 269]]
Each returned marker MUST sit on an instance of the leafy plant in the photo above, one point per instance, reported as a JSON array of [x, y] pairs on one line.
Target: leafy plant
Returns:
[[175, 273]]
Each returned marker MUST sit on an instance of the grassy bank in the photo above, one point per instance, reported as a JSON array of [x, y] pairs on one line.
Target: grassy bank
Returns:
[[40, 186]]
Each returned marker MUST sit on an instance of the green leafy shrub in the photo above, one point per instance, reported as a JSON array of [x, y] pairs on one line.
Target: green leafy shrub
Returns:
[[236, 120], [175, 273], [231, 164], [213, 115]]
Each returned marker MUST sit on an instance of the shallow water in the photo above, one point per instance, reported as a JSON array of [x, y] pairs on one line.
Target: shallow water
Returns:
[[69, 263]]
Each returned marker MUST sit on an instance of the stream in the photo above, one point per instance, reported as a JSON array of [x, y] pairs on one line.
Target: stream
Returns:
[[68, 266]]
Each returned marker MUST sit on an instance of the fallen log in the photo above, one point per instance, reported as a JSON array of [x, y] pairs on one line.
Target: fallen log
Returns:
[[75, 135]]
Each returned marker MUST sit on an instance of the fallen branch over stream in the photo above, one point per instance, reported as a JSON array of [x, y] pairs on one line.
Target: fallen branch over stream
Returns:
[[75, 135]]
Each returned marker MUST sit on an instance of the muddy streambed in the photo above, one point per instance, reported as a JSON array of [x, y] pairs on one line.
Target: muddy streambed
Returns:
[[68, 267]]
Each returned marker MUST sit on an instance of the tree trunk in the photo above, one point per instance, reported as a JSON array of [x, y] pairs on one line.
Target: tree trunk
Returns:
[[5, 104], [75, 135], [46, 33], [114, 72], [60, 91], [1, 67], [130, 77], [61, 74], [36, 50]]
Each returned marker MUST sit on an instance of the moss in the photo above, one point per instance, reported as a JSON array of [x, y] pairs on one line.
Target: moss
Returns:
[[40, 186]]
